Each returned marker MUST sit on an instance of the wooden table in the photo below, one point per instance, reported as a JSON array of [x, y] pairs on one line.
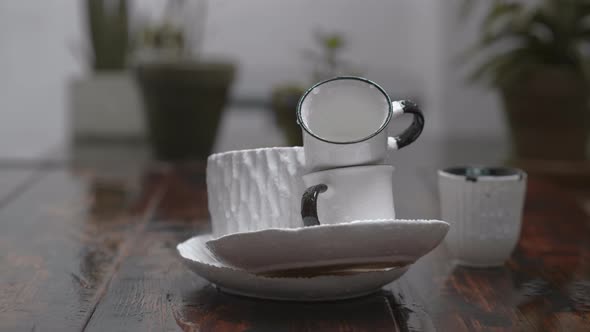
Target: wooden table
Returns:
[[83, 251]]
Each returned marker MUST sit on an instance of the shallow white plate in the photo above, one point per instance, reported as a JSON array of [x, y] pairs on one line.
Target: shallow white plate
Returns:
[[318, 288], [364, 244]]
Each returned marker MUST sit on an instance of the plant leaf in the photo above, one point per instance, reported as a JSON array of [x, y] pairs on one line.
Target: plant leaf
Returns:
[[517, 66], [499, 69], [547, 34], [498, 11]]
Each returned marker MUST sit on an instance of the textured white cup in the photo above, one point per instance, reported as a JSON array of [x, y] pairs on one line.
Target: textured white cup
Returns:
[[484, 208], [354, 193], [250, 190]]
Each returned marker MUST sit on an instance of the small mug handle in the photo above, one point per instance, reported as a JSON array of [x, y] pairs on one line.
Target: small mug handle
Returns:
[[413, 131], [309, 204]]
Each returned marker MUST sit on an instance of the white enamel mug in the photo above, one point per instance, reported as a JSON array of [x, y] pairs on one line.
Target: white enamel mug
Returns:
[[347, 194], [484, 207], [344, 122]]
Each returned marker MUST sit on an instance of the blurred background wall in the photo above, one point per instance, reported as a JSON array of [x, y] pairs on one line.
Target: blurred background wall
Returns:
[[406, 45]]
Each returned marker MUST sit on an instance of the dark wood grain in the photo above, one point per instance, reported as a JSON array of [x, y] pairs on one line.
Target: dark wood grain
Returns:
[[153, 291], [57, 253], [211, 310], [434, 295], [79, 251], [14, 182], [149, 285], [545, 286]]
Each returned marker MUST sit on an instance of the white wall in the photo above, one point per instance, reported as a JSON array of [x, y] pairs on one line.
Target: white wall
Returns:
[[35, 60], [405, 45], [272, 34]]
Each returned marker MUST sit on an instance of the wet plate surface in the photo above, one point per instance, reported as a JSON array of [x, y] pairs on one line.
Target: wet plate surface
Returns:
[[394, 242], [285, 285]]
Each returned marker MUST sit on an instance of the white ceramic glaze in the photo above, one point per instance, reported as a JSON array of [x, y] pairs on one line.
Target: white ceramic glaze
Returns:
[[485, 214], [386, 243], [255, 189], [354, 193], [324, 155], [344, 122], [320, 288]]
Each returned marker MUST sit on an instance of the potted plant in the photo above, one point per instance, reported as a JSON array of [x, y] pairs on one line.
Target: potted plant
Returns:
[[327, 63], [284, 101], [184, 96], [537, 58], [105, 105]]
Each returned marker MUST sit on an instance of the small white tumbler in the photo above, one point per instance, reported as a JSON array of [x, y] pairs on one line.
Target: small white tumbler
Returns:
[[484, 207]]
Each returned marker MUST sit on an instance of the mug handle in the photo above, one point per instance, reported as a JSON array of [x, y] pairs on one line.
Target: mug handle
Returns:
[[413, 131], [309, 204]]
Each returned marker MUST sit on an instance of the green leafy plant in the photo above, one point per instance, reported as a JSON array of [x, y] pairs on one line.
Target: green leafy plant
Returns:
[[519, 39], [177, 35], [108, 25], [326, 58], [164, 37]]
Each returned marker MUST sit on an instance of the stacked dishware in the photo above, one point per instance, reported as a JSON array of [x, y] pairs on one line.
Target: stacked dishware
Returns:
[[346, 143], [293, 223]]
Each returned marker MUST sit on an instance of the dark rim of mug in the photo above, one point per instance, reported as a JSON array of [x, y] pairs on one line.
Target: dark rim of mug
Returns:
[[304, 126], [474, 173]]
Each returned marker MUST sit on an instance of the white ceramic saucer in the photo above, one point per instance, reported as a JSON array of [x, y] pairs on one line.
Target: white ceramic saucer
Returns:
[[319, 288], [357, 244]]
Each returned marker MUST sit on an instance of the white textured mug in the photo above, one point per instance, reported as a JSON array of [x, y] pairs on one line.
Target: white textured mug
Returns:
[[484, 207], [250, 190], [348, 194], [345, 120]]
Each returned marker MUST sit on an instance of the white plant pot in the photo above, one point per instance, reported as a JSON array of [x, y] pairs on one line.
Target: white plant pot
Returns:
[[106, 107]]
